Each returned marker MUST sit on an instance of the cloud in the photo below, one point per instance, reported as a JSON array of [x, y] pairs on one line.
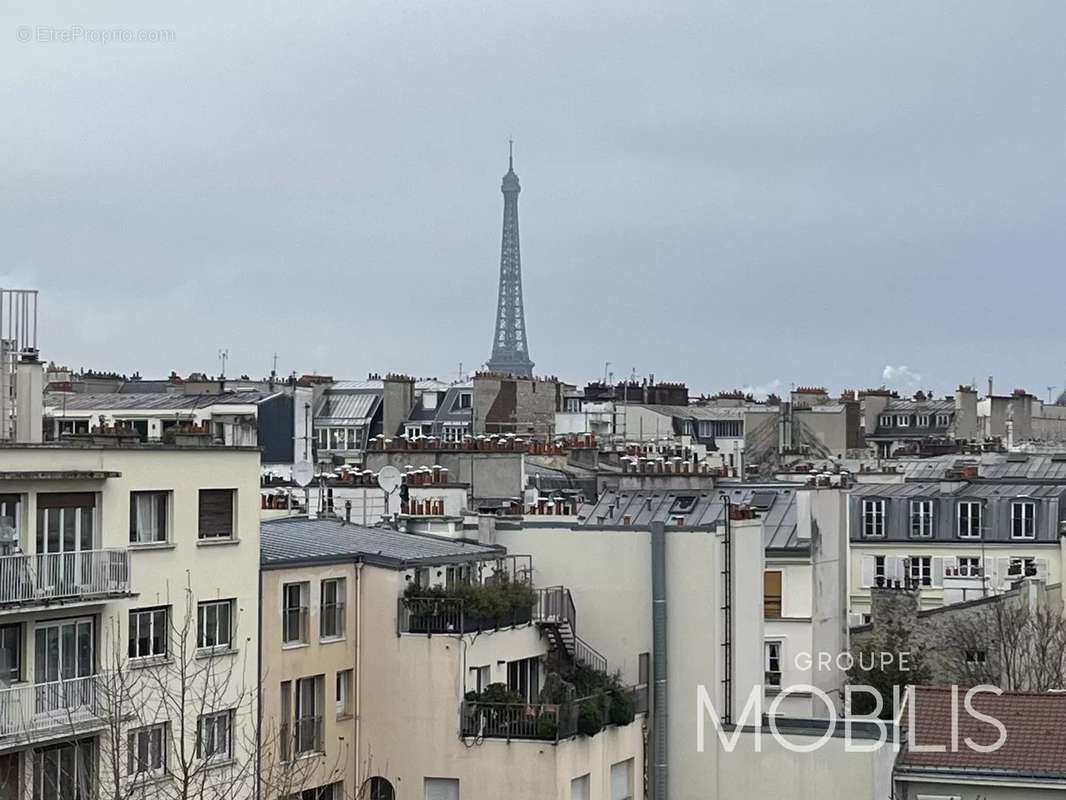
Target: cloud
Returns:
[[901, 377], [762, 390]]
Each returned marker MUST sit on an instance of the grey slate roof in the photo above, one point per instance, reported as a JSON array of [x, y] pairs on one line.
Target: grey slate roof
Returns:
[[153, 402], [295, 540], [993, 466], [974, 489], [778, 519]]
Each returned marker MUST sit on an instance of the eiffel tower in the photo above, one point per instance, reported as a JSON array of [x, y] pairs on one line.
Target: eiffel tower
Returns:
[[510, 352]]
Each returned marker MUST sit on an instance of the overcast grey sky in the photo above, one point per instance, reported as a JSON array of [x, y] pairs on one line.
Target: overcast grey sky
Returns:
[[742, 193]]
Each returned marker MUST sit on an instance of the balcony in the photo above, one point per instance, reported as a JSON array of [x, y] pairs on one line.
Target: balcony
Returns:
[[31, 712], [550, 722], [45, 578]]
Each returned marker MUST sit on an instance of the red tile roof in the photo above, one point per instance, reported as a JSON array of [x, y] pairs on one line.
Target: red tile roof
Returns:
[[1035, 724]]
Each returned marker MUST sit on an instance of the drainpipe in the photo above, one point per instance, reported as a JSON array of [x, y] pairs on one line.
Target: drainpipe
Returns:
[[259, 687], [358, 667], [659, 643]]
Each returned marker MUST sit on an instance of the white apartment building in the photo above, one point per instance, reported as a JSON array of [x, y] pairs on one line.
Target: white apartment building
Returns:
[[383, 677], [128, 601]]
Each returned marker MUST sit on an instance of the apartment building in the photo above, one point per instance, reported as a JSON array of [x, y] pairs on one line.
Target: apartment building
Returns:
[[956, 539], [415, 666], [685, 585], [128, 591]]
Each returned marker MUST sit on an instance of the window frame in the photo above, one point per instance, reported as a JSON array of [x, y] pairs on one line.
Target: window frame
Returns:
[[768, 602], [134, 761], [926, 528], [211, 721], [302, 613], [773, 676], [13, 674], [903, 420], [924, 577], [343, 688], [879, 519], [922, 421], [1029, 521], [209, 535], [336, 609], [970, 504], [202, 609], [163, 520], [316, 718], [152, 612], [972, 569]]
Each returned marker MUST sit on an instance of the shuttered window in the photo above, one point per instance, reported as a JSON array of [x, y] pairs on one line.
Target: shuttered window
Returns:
[[216, 513]]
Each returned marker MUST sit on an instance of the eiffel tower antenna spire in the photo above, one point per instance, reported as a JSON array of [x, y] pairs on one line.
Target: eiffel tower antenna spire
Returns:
[[510, 353]]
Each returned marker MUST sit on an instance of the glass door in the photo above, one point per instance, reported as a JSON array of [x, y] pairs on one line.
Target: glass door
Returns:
[[63, 665], [66, 527]]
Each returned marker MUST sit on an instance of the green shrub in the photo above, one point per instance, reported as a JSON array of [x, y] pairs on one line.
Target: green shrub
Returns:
[[498, 693], [547, 728], [622, 708], [589, 718]]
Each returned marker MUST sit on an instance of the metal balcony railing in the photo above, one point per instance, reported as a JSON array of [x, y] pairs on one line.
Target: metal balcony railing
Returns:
[[44, 577], [35, 708], [543, 721]]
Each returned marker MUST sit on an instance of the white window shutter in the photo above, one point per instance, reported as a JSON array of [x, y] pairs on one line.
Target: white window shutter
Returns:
[[1041, 568], [1003, 572], [867, 572], [938, 571], [899, 568], [989, 565]]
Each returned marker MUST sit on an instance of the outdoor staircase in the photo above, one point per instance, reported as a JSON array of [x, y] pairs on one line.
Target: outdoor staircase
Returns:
[[556, 617]]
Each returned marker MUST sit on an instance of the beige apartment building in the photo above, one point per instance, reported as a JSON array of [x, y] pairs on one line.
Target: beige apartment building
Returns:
[[371, 688], [128, 601]]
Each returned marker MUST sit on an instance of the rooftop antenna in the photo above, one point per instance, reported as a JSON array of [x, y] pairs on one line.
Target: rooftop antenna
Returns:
[[1050, 389], [460, 371], [606, 365], [222, 356], [274, 370]]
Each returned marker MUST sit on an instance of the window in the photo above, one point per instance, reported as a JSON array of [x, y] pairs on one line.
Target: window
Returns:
[[921, 519], [885, 421], [466, 400], [976, 658], [331, 613], [481, 677], [1023, 520], [10, 654], [969, 519], [148, 517], [873, 518], [943, 420], [216, 513], [344, 693], [579, 788], [903, 421], [323, 438], [381, 789], [65, 522], [773, 663], [214, 736], [970, 567], [331, 791], [309, 703], [622, 780], [441, 788], [149, 632], [771, 594], [523, 676], [147, 751], [214, 624], [453, 433], [294, 613], [64, 771], [1022, 567], [923, 421], [880, 573], [921, 570]]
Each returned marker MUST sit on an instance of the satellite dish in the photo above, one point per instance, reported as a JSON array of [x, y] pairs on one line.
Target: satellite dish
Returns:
[[303, 473], [389, 479]]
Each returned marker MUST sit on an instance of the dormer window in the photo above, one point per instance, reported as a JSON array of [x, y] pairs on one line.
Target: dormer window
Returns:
[[1023, 519], [885, 421], [921, 519], [969, 518], [923, 421], [943, 420], [903, 421], [683, 504], [873, 518], [466, 400]]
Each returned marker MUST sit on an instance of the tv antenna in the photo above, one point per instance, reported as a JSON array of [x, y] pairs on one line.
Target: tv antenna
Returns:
[[222, 356]]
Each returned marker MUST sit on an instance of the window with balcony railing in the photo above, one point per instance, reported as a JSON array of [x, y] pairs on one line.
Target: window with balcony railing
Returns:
[[331, 610], [294, 613]]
